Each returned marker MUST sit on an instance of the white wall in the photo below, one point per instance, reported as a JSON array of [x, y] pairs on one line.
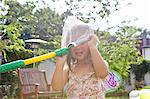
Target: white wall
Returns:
[[49, 67], [147, 78], [146, 53]]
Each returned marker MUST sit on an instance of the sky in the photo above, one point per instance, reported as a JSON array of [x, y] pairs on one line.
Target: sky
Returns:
[[138, 12]]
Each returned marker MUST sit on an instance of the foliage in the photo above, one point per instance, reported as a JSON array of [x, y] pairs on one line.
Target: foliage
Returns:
[[120, 49], [2, 48], [10, 29], [48, 24], [23, 21], [89, 10], [140, 69]]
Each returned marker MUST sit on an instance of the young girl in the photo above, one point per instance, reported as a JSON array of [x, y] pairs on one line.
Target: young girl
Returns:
[[83, 68]]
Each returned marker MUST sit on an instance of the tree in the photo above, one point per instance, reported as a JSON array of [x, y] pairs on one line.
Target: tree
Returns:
[[89, 10], [40, 23], [10, 29], [48, 23], [48, 26], [120, 50]]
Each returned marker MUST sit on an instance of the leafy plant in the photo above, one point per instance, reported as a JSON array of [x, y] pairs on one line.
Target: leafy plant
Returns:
[[120, 49], [140, 69]]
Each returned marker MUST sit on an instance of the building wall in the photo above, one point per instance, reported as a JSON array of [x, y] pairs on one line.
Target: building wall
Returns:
[[49, 67], [146, 53], [147, 78]]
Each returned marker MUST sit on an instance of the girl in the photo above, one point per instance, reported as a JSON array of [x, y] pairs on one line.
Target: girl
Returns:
[[83, 68]]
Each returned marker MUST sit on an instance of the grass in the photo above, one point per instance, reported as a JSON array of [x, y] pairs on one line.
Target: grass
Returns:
[[122, 97], [112, 97]]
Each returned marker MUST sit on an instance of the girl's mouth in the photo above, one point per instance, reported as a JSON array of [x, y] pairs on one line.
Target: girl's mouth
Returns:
[[79, 53]]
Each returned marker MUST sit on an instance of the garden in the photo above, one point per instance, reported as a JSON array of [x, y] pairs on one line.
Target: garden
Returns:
[[39, 20]]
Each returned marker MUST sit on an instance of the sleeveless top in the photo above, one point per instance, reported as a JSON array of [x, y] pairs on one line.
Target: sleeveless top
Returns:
[[85, 87]]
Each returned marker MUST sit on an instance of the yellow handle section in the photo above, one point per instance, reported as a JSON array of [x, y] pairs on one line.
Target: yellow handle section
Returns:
[[39, 58]]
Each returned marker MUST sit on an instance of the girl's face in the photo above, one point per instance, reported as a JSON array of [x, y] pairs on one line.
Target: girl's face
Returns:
[[80, 52]]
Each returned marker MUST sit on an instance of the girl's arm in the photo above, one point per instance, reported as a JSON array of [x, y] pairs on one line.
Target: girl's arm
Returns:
[[99, 64], [60, 76]]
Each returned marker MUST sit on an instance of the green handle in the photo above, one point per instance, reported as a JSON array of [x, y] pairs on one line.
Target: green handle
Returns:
[[62, 51], [11, 66]]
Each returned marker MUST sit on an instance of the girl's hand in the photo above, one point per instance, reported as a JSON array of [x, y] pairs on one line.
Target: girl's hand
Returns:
[[93, 40]]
